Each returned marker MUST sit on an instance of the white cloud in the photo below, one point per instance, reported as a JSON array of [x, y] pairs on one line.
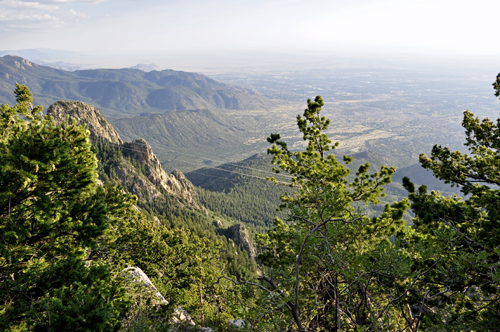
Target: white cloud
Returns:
[[23, 5], [41, 14], [59, 1]]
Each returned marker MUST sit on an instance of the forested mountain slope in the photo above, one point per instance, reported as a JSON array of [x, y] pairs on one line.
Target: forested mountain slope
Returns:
[[191, 139], [170, 199], [124, 92], [67, 237], [240, 190], [135, 166], [86, 229]]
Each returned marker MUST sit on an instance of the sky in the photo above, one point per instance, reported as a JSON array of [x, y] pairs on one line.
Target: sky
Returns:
[[197, 28]]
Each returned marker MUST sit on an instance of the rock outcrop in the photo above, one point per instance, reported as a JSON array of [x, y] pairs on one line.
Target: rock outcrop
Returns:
[[138, 278], [135, 182], [175, 184], [239, 234], [235, 324], [99, 127], [180, 317], [148, 185]]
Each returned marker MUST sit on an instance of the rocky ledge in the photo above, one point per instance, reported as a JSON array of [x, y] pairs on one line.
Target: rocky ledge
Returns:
[[155, 182]]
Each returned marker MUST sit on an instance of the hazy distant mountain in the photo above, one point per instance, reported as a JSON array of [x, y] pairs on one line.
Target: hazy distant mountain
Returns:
[[124, 92], [63, 65], [43, 54], [145, 67], [419, 175]]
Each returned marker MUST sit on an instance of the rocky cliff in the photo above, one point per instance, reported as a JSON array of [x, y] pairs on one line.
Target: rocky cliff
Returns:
[[239, 234], [175, 183], [151, 181], [99, 127]]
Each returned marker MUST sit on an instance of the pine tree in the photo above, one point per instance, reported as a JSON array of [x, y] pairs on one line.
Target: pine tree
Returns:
[[327, 266], [462, 285], [52, 212]]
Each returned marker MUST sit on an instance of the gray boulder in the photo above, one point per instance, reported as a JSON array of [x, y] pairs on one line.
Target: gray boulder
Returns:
[[139, 278]]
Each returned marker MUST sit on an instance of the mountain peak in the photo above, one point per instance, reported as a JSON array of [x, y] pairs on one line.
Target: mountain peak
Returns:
[[141, 150], [154, 182], [125, 92], [99, 127]]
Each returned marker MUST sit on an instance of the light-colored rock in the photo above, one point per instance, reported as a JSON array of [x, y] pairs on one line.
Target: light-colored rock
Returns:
[[99, 127], [136, 183], [139, 278], [156, 220], [155, 183], [181, 316], [235, 323]]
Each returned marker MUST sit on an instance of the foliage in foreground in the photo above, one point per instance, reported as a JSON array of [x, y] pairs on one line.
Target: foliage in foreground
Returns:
[[462, 288], [65, 240], [330, 268], [51, 212], [326, 267]]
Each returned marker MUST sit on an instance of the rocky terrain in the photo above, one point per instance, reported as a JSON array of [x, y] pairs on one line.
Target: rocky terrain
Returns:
[[99, 127], [150, 183], [239, 234]]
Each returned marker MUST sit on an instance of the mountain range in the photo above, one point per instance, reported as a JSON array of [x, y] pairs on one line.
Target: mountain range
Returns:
[[135, 167], [124, 92], [141, 105]]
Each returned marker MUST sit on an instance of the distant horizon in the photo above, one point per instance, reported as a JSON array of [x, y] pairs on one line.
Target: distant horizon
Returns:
[[254, 61], [197, 34]]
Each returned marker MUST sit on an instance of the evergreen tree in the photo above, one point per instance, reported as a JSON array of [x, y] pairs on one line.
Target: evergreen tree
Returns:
[[461, 289], [328, 267], [51, 212]]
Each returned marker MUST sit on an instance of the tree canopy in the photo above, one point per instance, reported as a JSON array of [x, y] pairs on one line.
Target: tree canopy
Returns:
[[51, 212], [463, 284], [65, 240], [327, 266]]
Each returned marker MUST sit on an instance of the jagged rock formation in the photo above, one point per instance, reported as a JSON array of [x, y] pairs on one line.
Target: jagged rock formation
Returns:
[[148, 185], [138, 278], [135, 182], [99, 127], [239, 234], [175, 184]]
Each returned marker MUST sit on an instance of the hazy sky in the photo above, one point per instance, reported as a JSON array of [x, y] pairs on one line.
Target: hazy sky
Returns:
[[440, 27]]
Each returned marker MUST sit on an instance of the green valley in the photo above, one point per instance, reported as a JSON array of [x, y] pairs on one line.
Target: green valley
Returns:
[[178, 201]]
